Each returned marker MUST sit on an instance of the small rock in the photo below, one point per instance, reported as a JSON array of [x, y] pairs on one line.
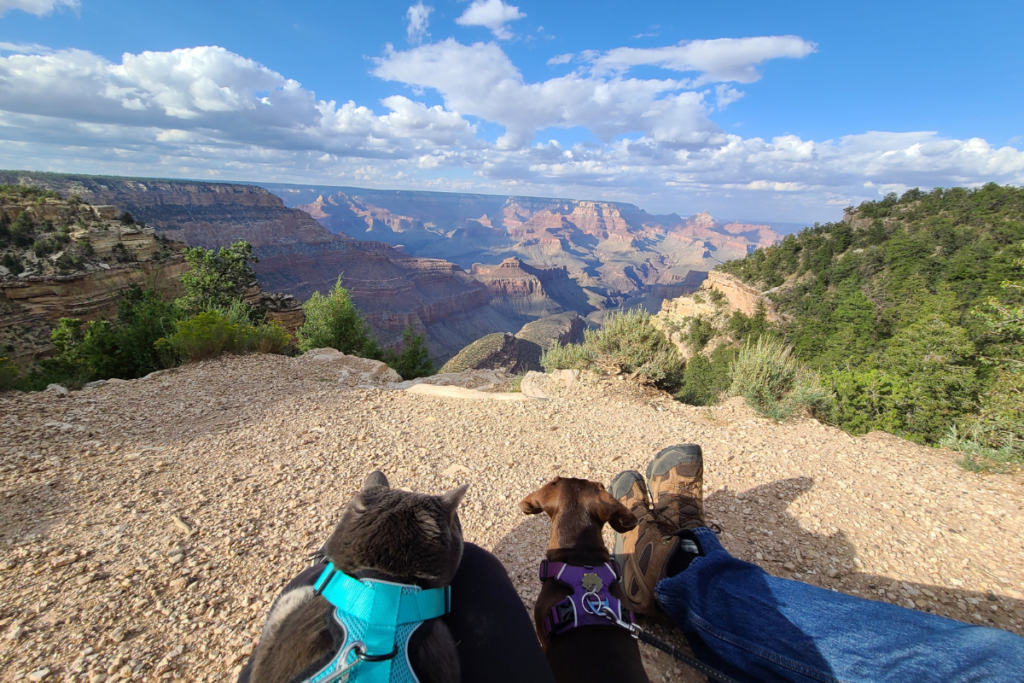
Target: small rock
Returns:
[[176, 558], [15, 631], [117, 635], [64, 560], [60, 391], [453, 470], [790, 566], [94, 385], [178, 583], [181, 524], [38, 675]]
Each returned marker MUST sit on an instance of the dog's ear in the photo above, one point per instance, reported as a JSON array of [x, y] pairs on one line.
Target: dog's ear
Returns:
[[544, 499], [609, 510], [450, 501]]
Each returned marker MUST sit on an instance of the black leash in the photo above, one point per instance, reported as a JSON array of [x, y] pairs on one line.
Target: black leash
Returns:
[[645, 637], [686, 659]]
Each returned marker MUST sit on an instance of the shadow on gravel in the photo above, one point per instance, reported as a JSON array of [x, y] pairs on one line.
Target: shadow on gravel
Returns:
[[759, 522], [757, 527]]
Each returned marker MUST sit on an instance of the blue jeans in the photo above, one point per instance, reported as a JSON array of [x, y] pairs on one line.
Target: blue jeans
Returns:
[[756, 627]]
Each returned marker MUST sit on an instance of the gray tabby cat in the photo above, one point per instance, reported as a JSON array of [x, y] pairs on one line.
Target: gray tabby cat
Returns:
[[384, 534]]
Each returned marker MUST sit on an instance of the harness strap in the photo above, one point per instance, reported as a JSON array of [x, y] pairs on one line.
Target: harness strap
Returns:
[[381, 606]]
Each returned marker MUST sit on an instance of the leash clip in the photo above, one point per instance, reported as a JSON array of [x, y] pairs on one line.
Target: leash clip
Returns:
[[634, 629]]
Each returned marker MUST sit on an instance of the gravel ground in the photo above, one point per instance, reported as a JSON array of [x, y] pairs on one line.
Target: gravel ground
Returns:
[[146, 526]]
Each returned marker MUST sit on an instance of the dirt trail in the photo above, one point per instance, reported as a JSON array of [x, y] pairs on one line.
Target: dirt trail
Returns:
[[146, 526]]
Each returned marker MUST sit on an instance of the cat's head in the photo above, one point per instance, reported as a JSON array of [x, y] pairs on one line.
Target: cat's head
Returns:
[[405, 537]]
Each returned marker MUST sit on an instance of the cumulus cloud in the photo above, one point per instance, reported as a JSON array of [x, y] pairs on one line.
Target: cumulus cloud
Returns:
[[209, 95], [492, 14], [480, 80], [38, 7], [208, 112], [560, 59], [419, 18]]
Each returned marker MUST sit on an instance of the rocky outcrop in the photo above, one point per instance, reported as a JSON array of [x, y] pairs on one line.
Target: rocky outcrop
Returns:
[[501, 351], [84, 278], [719, 297], [521, 352], [555, 330]]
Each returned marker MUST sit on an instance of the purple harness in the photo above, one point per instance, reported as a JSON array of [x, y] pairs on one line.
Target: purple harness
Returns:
[[590, 595]]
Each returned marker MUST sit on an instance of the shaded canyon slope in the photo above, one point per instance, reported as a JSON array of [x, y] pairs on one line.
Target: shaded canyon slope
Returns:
[[616, 252]]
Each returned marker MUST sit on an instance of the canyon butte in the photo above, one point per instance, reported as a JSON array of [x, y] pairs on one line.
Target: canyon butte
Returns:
[[455, 267]]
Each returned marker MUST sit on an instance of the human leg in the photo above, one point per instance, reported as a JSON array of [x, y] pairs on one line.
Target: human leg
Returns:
[[756, 627], [494, 632]]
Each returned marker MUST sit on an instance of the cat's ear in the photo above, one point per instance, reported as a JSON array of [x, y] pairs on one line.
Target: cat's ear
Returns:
[[375, 479], [450, 501]]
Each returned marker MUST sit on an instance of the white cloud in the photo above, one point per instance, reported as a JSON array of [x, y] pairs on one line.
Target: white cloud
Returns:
[[480, 80], [208, 112], [492, 14], [419, 18], [561, 59], [724, 96], [718, 61], [38, 7]]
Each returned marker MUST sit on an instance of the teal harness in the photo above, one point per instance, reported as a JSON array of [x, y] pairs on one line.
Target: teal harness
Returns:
[[379, 617]]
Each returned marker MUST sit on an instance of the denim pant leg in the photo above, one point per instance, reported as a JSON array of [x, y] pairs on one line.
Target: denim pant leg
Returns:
[[757, 627]]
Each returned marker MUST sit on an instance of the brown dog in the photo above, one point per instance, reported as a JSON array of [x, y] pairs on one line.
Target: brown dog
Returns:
[[579, 509]]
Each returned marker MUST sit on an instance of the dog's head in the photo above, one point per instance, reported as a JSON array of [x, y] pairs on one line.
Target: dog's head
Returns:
[[578, 509]]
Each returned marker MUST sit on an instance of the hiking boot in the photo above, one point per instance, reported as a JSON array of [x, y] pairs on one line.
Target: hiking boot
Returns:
[[642, 552], [675, 479]]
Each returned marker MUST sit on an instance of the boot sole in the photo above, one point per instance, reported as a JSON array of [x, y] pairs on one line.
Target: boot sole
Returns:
[[673, 456], [619, 487]]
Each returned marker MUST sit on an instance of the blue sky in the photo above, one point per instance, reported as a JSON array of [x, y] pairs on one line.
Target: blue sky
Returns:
[[775, 111]]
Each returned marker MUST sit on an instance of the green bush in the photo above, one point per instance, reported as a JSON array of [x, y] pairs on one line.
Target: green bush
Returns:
[[413, 360], [332, 321], [698, 334], [214, 332], [216, 279], [773, 382], [22, 230], [203, 336], [628, 343], [868, 400], [705, 380], [12, 263], [264, 338], [8, 374]]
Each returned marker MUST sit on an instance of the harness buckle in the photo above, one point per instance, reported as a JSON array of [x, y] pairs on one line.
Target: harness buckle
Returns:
[[362, 655]]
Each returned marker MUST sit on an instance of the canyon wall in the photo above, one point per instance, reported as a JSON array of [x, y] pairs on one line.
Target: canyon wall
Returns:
[[298, 256]]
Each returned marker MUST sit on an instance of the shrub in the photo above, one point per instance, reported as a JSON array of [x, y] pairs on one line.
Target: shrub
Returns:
[[214, 332], [216, 279], [127, 219], [705, 380], [629, 343], [265, 338], [5, 228], [203, 336], [698, 334], [517, 384], [12, 263], [8, 374], [121, 254], [414, 359], [773, 382], [980, 453], [868, 400], [22, 230], [332, 321]]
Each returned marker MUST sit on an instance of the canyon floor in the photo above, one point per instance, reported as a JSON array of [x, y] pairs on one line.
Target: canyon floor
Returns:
[[146, 526]]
